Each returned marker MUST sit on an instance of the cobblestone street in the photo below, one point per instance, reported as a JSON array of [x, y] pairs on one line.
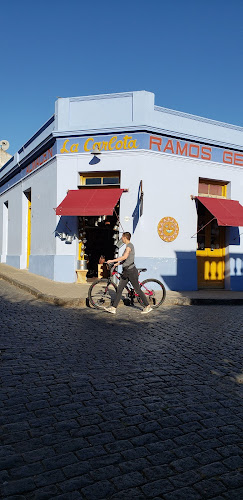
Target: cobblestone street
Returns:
[[96, 406]]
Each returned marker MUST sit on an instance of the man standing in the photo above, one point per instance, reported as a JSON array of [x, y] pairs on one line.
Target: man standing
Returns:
[[129, 273]]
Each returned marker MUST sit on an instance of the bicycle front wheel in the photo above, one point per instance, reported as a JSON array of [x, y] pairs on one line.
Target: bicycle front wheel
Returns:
[[155, 292], [102, 293]]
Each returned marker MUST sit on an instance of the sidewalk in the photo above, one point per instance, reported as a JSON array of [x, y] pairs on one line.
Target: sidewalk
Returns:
[[75, 295]]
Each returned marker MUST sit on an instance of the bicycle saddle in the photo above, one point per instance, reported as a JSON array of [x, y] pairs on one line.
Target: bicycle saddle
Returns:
[[142, 270]]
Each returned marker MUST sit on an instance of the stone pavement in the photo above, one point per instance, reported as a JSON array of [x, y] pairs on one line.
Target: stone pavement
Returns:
[[75, 295], [95, 406]]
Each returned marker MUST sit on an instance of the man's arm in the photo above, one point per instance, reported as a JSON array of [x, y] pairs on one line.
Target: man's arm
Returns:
[[122, 258]]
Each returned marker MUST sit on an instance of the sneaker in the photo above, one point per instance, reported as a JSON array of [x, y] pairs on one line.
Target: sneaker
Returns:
[[110, 309], [147, 310]]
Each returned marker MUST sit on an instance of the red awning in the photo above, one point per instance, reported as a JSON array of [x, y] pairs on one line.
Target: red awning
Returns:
[[89, 202], [227, 212]]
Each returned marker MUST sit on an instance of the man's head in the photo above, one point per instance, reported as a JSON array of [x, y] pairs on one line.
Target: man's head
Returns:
[[126, 237]]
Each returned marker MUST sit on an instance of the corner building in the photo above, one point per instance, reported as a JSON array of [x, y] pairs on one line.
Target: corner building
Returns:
[[172, 179]]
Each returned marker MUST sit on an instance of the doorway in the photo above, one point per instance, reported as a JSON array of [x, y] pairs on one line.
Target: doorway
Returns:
[[210, 250], [98, 236]]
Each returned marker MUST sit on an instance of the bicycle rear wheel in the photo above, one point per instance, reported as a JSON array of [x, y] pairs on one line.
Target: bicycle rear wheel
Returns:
[[102, 293], [155, 292]]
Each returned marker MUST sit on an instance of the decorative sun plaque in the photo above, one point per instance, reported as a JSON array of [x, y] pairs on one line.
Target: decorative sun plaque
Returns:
[[168, 229]]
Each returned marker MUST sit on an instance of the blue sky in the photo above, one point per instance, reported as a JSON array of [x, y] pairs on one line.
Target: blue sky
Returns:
[[188, 52]]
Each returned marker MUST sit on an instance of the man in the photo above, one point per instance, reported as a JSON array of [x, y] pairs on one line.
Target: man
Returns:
[[129, 273]]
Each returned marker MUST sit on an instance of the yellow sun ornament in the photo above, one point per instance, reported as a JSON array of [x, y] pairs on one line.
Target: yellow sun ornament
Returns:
[[168, 229]]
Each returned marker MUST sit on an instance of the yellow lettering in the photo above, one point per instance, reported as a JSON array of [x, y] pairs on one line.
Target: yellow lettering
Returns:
[[64, 150], [113, 139], [119, 144], [98, 145], [86, 144], [74, 148], [133, 144], [104, 145], [126, 139]]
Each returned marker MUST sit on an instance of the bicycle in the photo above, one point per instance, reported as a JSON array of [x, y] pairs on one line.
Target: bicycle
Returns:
[[103, 291]]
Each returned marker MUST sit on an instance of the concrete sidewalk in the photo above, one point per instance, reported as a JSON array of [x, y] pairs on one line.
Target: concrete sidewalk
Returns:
[[75, 295]]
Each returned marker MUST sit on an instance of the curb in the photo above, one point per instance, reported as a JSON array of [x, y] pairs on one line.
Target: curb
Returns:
[[83, 301], [52, 299]]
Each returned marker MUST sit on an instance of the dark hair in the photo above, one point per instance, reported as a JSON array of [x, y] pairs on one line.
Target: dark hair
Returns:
[[127, 235]]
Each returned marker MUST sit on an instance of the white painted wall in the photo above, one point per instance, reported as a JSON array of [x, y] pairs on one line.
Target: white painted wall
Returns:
[[43, 200], [168, 183]]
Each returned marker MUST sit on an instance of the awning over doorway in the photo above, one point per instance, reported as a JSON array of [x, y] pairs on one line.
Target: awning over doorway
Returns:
[[227, 212], [89, 202]]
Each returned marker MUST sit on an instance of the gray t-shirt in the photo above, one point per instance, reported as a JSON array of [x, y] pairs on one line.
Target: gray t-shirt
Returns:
[[130, 259]]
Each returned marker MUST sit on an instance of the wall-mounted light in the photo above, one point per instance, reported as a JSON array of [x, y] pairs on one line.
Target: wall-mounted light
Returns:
[[95, 152]]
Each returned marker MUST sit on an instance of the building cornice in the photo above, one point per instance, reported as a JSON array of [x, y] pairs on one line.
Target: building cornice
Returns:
[[148, 129]]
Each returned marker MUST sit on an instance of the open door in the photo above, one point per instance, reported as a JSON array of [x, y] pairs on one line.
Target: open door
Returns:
[[210, 250]]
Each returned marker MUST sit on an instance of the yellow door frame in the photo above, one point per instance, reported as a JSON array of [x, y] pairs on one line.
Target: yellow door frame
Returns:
[[211, 259], [29, 230]]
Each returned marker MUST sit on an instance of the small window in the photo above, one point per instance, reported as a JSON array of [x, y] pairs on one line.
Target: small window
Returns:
[[90, 181], [100, 179], [110, 180], [210, 188]]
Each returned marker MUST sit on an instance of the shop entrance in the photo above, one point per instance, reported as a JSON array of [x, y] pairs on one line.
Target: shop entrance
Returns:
[[210, 250], [98, 236]]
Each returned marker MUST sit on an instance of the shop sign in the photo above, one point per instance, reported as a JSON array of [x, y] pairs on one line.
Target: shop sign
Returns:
[[39, 161], [178, 147], [105, 143], [144, 140]]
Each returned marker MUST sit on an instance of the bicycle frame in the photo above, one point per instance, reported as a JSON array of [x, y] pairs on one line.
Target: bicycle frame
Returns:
[[131, 292]]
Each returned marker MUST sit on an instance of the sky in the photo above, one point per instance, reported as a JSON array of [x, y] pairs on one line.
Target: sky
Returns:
[[189, 53]]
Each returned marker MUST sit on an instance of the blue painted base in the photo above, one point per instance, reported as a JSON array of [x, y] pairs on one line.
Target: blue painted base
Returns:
[[13, 260], [236, 271], [55, 267], [176, 274], [43, 265], [64, 270]]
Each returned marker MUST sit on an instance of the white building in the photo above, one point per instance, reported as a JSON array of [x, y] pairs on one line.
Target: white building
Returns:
[[161, 158]]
